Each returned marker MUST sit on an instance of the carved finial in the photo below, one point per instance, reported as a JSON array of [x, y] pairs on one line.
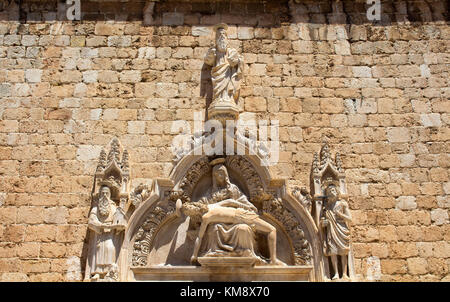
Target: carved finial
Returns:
[[114, 153], [315, 163], [102, 161], [338, 162], [325, 154], [125, 164]]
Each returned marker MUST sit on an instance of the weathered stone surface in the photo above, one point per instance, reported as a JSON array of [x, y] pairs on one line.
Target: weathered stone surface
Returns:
[[431, 120], [173, 19], [87, 152], [379, 93], [406, 203], [439, 216]]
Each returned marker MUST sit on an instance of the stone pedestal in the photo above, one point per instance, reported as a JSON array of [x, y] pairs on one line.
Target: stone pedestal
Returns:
[[223, 111], [223, 273], [214, 262]]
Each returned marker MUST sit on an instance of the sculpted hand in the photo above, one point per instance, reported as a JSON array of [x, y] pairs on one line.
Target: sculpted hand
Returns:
[[252, 208], [210, 56]]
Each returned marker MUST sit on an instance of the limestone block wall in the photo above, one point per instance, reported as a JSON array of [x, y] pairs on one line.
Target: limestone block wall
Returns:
[[379, 91]]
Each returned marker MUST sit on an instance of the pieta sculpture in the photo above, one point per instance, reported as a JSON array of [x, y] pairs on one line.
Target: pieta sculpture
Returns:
[[230, 219]]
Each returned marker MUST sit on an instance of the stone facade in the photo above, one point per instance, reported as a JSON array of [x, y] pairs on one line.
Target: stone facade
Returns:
[[379, 92]]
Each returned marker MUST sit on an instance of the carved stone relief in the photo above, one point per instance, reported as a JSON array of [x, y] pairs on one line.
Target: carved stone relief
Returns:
[[253, 180], [107, 218], [228, 220], [146, 232], [304, 197], [332, 214], [220, 211], [139, 194], [192, 177], [302, 248]]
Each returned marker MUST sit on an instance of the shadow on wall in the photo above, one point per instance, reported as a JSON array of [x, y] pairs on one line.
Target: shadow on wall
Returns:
[[267, 13]]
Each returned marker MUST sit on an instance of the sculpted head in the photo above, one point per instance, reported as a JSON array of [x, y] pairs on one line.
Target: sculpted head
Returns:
[[332, 192], [195, 210], [104, 201], [221, 37], [105, 192], [220, 175]]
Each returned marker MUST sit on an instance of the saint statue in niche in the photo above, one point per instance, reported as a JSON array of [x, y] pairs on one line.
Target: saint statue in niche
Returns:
[[335, 219], [108, 222], [228, 219], [226, 72]]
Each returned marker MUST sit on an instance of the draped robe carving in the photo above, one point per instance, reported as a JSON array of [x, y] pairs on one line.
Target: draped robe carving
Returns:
[[226, 71]]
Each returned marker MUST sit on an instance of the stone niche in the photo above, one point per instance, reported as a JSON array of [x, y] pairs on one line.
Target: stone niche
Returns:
[[159, 242]]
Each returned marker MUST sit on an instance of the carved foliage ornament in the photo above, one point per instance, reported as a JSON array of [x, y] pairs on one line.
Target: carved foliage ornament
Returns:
[[147, 230], [246, 169], [302, 248], [302, 195], [192, 177], [139, 194]]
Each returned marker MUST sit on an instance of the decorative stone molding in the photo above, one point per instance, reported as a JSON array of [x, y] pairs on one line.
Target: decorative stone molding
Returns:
[[248, 172], [139, 194], [255, 146], [304, 197], [147, 231], [193, 175], [302, 248], [192, 142]]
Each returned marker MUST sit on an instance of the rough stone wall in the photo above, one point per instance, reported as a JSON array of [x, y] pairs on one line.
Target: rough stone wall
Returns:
[[378, 91]]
